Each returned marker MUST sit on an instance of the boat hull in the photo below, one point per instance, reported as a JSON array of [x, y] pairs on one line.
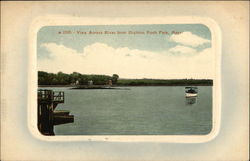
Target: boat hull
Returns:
[[191, 94]]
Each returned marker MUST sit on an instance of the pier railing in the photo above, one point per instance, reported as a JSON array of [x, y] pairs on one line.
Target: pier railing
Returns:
[[49, 95], [58, 97]]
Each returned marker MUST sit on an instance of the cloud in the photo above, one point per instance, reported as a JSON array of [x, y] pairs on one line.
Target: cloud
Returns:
[[182, 50], [99, 58], [189, 39]]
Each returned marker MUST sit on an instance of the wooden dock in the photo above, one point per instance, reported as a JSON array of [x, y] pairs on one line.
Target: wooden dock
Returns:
[[47, 115]]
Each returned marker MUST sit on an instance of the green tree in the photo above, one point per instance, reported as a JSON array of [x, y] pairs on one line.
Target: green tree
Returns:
[[114, 78]]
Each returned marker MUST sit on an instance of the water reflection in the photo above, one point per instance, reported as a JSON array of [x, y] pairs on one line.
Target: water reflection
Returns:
[[191, 100]]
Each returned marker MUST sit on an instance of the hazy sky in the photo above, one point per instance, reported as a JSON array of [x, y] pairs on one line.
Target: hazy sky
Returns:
[[141, 51]]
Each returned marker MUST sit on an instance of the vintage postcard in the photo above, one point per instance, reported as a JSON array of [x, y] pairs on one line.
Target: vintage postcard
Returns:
[[126, 80], [118, 81]]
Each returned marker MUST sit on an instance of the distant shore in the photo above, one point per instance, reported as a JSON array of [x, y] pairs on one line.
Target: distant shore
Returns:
[[94, 81], [72, 86]]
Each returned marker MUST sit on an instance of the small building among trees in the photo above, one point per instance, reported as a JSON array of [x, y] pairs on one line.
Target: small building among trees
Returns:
[[110, 82], [90, 83]]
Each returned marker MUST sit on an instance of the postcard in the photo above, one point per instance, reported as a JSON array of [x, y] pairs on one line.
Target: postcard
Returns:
[[127, 81]]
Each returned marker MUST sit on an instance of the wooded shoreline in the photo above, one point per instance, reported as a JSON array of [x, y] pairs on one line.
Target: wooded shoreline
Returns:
[[193, 84], [77, 79]]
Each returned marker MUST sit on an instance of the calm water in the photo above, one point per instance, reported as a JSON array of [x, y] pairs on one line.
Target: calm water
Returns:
[[137, 110]]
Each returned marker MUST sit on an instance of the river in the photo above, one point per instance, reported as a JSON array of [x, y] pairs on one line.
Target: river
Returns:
[[152, 110]]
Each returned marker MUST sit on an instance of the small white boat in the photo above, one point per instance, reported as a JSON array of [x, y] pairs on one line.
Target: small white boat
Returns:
[[191, 94], [191, 91]]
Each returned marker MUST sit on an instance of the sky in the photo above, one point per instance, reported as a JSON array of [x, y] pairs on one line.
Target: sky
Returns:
[[158, 51]]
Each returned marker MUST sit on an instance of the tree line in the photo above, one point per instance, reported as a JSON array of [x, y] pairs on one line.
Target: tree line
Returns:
[[164, 82], [60, 78]]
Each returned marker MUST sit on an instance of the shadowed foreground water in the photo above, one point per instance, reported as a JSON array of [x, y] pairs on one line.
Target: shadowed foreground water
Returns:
[[137, 111]]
